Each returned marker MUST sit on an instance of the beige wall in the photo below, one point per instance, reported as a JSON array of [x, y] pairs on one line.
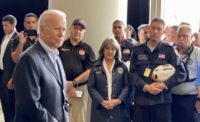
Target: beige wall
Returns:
[[155, 9], [99, 15]]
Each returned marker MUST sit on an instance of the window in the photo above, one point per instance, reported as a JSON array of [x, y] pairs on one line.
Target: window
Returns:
[[176, 11]]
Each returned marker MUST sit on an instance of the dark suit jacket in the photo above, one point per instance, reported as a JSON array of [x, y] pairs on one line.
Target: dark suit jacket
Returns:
[[7, 61], [97, 89], [39, 91]]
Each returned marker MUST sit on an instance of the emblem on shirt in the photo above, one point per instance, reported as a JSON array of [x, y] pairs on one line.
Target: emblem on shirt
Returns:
[[142, 57], [98, 70], [161, 56], [82, 52], [120, 70]]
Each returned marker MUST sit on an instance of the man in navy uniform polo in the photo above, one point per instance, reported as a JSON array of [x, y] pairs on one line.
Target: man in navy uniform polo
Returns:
[[77, 57], [153, 98]]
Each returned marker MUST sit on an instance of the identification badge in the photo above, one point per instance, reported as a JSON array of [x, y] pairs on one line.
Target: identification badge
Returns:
[[120, 70], [79, 94], [82, 52], [147, 72]]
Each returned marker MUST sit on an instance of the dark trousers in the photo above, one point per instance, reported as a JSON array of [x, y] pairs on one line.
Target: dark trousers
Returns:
[[4, 103], [132, 113], [152, 113], [183, 108], [11, 102], [131, 103], [4, 95]]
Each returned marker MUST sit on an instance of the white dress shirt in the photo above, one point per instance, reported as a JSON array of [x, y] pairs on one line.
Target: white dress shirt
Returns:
[[109, 78], [3, 47]]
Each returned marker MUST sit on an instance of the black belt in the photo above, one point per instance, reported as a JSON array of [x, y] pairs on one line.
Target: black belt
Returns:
[[1, 72], [81, 84]]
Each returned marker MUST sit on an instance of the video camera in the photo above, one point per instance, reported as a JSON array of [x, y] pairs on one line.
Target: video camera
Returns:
[[30, 32]]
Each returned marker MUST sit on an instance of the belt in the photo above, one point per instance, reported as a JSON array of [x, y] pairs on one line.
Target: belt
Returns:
[[81, 84], [1, 72]]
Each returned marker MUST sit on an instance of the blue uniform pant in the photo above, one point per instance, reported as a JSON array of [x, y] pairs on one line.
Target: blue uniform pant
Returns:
[[152, 113]]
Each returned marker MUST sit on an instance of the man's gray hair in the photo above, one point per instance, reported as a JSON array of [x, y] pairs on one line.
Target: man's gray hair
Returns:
[[186, 27], [43, 20]]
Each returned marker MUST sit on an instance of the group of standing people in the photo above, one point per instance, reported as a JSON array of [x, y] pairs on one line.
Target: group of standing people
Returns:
[[38, 81], [11, 48], [54, 77], [174, 100]]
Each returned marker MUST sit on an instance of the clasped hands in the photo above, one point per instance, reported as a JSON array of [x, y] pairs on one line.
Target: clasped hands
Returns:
[[110, 104], [155, 88]]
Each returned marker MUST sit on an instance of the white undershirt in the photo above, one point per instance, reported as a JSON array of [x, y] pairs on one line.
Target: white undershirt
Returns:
[[109, 77], [151, 47]]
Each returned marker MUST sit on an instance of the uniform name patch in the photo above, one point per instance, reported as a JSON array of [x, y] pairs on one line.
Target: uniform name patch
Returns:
[[65, 49], [126, 51], [142, 57]]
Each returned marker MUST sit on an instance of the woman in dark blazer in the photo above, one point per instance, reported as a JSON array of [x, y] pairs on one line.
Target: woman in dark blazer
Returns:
[[108, 85]]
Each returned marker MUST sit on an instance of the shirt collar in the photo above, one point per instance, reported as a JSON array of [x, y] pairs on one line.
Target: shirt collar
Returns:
[[123, 44], [81, 43], [48, 49], [158, 47], [105, 66], [10, 35]]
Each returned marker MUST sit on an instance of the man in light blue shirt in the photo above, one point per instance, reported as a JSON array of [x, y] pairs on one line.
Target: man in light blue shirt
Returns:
[[186, 94]]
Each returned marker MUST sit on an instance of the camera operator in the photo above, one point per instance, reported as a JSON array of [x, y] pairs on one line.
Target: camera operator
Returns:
[[26, 37], [23, 40]]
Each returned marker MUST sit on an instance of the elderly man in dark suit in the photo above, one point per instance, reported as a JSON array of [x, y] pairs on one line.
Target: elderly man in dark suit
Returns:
[[39, 77], [9, 23]]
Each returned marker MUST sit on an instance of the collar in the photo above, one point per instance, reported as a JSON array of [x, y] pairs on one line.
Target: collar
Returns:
[[68, 42], [10, 35], [47, 48], [123, 44], [99, 61], [158, 47], [189, 51], [105, 66]]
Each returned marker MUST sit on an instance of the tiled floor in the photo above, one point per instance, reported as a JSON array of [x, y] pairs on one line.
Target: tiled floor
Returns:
[[1, 114]]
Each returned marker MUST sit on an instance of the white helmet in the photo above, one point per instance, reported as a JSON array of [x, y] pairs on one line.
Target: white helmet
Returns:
[[163, 72]]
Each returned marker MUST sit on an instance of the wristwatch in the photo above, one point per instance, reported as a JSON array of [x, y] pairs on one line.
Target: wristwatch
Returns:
[[198, 99]]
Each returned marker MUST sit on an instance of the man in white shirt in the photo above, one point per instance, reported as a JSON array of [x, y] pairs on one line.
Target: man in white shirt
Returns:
[[9, 23]]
